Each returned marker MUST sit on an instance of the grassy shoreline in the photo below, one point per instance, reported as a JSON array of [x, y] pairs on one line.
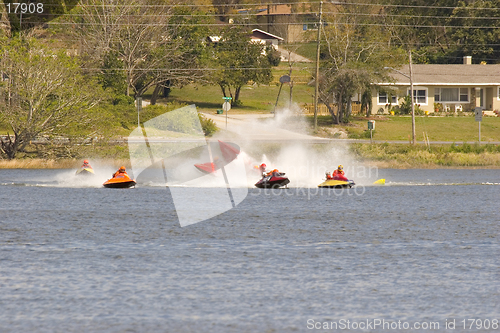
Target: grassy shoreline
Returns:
[[63, 163], [405, 156], [384, 155]]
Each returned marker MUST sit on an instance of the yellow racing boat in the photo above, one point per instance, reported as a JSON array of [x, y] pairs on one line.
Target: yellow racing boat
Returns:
[[85, 172], [337, 183]]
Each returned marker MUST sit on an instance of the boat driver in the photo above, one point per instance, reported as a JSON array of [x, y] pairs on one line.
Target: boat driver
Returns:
[[86, 165], [262, 169], [339, 171], [120, 173]]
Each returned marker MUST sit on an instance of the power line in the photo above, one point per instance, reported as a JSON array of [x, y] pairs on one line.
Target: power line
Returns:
[[292, 14], [353, 43], [337, 3], [275, 24], [258, 69], [406, 6]]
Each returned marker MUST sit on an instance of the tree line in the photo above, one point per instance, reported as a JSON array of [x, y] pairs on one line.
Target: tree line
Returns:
[[126, 49]]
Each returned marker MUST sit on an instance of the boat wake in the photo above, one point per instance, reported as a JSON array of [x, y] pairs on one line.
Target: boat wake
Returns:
[[389, 183]]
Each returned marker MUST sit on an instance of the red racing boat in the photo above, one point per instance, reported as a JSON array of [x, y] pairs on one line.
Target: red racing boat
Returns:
[[274, 180]]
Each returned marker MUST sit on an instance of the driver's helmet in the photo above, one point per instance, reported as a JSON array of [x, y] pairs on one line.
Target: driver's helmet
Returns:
[[340, 167]]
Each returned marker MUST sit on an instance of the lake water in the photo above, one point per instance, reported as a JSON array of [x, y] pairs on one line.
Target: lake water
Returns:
[[421, 250]]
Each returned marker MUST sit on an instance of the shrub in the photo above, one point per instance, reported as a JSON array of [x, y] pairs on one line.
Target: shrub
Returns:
[[418, 110], [208, 125], [438, 107], [405, 107], [123, 100], [396, 109], [273, 56]]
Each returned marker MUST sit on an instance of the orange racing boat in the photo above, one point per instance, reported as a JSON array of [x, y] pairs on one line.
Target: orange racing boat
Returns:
[[119, 181]]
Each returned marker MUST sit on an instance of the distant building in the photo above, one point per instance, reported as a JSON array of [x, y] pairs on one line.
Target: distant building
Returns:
[[291, 22], [257, 36], [266, 38], [456, 87]]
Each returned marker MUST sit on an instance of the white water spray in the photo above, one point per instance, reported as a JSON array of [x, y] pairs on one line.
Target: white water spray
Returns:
[[285, 145]]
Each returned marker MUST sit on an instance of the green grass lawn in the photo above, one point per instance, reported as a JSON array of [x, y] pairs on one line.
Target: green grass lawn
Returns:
[[452, 129], [259, 99], [307, 50], [301, 72], [439, 128]]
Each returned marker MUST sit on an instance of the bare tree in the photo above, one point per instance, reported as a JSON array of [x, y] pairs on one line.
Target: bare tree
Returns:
[[146, 38], [44, 94], [355, 51]]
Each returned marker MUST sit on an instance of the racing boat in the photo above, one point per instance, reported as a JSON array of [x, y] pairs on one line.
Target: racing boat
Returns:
[[120, 181], [337, 182], [208, 167], [224, 153], [84, 172], [274, 180]]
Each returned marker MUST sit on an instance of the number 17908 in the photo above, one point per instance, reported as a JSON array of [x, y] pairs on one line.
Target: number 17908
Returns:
[[480, 324], [24, 8]]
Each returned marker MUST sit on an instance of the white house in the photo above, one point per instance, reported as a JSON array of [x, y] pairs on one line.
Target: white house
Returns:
[[457, 87], [260, 36]]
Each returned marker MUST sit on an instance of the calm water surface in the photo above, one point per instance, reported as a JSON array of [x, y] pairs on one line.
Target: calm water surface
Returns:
[[76, 258]]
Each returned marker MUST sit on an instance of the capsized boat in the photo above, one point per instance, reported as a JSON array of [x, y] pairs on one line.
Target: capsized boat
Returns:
[[223, 152], [208, 167], [120, 181], [84, 172], [337, 183], [275, 180]]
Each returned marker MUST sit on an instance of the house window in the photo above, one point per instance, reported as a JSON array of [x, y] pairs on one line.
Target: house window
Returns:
[[498, 93], [451, 95], [419, 96], [383, 99], [464, 94]]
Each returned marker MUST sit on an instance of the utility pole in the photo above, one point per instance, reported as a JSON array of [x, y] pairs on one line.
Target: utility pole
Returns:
[[316, 79], [412, 101], [139, 109]]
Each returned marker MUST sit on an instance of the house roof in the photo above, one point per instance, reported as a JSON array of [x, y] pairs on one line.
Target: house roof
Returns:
[[448, 75], [261, 34]]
